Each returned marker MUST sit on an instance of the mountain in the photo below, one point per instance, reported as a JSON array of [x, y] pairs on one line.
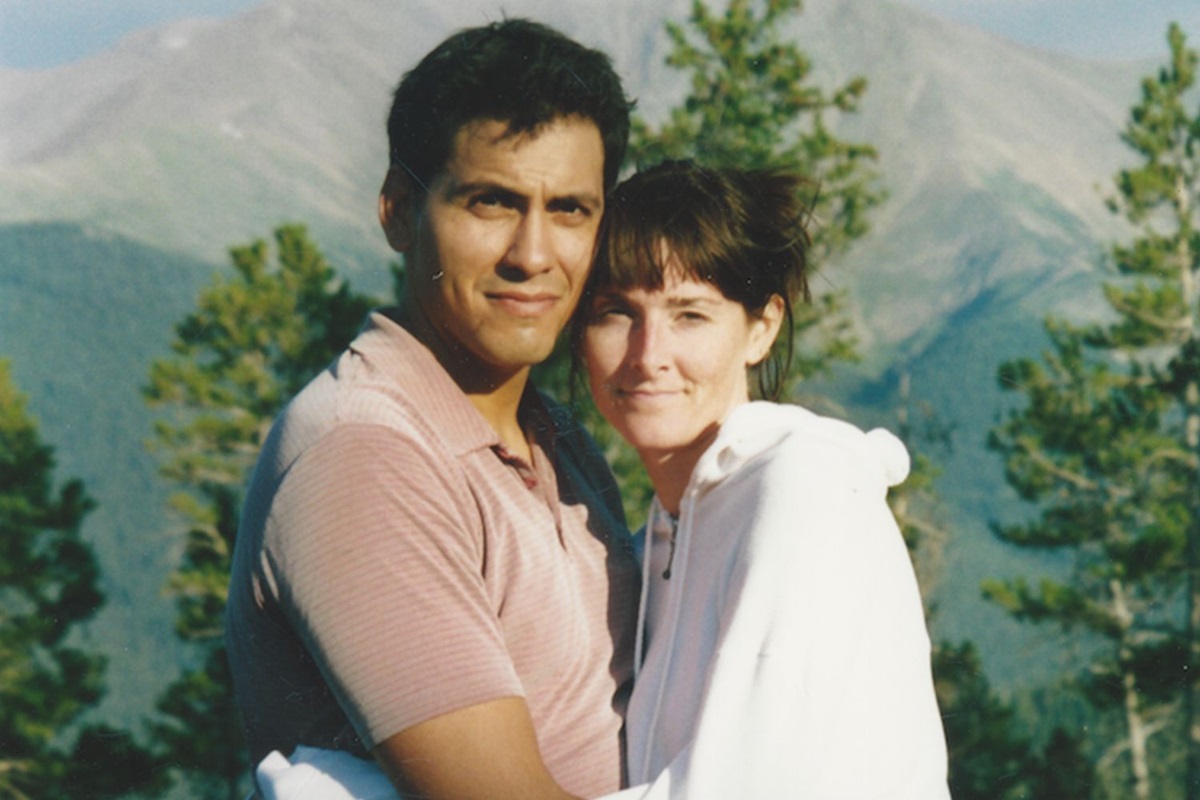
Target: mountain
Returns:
[[124, 178], [82, 314]]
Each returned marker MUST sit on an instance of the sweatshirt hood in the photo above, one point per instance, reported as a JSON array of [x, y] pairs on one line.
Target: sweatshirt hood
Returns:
[[752, 428]]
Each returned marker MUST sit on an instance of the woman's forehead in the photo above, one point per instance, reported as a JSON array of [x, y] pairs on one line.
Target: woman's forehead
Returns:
[[677, 287]]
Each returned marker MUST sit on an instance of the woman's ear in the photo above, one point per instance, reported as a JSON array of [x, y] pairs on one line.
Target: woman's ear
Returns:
[[764, 327], [396, 204]]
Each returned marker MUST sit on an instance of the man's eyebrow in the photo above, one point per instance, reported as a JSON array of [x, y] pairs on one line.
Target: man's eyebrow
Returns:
[[464, 188], [459, 189], [586, 199]]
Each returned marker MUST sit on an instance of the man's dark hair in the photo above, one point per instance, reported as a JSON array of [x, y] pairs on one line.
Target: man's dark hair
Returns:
[[516, 71]]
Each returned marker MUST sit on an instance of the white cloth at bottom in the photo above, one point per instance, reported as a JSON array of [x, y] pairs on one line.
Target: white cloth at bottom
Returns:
[[315, 774]]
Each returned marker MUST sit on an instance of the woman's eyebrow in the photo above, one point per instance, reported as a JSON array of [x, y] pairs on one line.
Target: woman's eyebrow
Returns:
[[687, 301]]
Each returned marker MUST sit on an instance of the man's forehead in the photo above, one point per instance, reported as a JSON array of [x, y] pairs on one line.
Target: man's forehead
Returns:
[[495, 150], [483, 134]]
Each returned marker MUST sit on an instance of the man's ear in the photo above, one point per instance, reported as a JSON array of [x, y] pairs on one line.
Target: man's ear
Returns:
[[397, 201]]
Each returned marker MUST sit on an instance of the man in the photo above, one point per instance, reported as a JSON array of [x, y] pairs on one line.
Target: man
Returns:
[[432, 566]]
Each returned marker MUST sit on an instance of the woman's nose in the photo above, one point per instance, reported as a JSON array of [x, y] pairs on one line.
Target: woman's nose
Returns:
[[648, 350]]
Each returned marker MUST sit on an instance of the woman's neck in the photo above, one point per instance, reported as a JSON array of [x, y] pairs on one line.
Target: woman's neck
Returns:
[[670, 471]]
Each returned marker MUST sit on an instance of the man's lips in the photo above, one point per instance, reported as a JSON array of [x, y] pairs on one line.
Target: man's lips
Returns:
[[524, 304], [646, 395]]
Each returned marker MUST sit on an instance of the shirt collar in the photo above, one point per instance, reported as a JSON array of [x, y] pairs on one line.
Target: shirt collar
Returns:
[[418, 375]]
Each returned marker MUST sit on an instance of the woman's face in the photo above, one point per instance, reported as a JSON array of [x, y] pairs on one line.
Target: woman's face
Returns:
[[667, 366]]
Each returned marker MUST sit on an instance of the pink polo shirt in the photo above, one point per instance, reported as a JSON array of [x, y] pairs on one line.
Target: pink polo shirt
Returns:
[[394, 563]]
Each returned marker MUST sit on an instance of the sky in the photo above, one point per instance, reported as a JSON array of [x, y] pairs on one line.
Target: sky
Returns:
[[36, 34], [1102, 29]]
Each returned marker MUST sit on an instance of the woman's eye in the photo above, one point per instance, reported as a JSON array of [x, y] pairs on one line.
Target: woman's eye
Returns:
[[609, 311]]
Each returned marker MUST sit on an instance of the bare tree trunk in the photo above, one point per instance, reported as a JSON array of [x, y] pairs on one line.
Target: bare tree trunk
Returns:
[[1191, 691], [1135, 723]]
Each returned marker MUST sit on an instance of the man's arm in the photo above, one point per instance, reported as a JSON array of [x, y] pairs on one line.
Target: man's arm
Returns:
[[487, 751], [400, 625]]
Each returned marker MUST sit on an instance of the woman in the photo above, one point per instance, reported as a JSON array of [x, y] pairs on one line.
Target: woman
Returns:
[[782, 638], [782, 642]]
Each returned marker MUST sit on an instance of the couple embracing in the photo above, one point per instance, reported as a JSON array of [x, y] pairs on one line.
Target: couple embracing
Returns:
[[434, 592]]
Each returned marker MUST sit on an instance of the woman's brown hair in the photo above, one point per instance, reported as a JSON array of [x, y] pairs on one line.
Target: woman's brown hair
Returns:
[[743, 231]]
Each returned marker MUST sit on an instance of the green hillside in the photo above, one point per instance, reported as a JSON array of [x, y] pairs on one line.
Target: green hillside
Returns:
[[82, 314], [1014, 277]]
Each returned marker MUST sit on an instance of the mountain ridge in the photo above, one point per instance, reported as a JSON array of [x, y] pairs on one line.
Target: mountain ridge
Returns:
[[200, 135]]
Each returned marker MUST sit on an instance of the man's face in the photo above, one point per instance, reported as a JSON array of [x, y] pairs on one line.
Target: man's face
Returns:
[[500, 245]]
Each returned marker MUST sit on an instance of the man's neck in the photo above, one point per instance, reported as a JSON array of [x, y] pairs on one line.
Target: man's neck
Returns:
[[496, 396], [500, 407]]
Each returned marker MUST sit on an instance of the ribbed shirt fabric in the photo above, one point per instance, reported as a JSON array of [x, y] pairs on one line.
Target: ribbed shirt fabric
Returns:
[[395, 563]]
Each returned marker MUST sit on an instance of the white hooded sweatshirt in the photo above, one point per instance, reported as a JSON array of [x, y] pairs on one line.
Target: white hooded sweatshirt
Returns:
[[786, 656]]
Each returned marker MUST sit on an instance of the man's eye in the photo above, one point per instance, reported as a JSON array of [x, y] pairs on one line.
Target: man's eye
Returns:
[[571, 208], [487, 200]]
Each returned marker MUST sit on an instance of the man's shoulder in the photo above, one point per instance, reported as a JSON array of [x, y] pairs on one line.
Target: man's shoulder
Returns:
[[344, 395], [349, 415]]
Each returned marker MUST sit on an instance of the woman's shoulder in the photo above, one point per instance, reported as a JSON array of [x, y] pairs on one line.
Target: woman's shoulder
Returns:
[[790, 438]]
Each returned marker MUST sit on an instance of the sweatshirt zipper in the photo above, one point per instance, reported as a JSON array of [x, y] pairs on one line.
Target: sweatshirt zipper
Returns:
[[674, 592]]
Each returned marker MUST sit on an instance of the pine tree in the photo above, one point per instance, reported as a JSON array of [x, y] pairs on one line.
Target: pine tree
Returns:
[[992, 756], [253, 342], [49, 585], [989, 754], [1158, 304], [1063, 771], [1108, 441], [915, 502], [751, 105], [1083, 449]]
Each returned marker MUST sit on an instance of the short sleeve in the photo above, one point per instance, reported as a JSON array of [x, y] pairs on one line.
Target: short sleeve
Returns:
[[375, 552]]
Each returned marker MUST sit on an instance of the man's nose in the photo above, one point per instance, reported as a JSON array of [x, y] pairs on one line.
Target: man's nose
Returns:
[[531, 249]]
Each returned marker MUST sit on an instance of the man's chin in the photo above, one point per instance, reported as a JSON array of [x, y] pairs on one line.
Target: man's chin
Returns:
[[523, 349], [502, 364]]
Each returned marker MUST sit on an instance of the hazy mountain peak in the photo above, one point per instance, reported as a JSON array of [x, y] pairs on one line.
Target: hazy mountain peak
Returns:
[[286, 101]]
